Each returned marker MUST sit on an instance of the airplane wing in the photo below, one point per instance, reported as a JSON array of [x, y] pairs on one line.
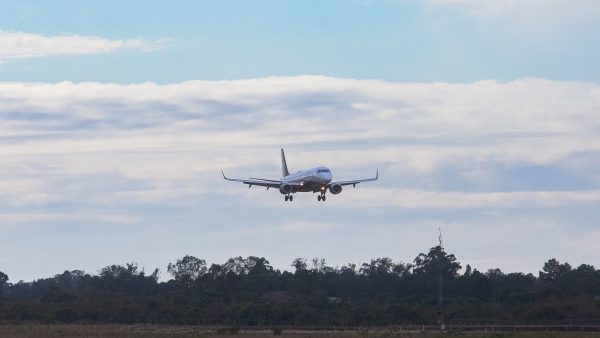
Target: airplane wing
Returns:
[[255, 181], [355, 182]]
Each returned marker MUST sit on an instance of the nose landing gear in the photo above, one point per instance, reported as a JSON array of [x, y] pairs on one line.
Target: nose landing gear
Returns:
[[289, 198], [321, 198]]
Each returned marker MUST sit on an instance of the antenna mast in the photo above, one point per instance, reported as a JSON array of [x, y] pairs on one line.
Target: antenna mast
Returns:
[[440, 304]]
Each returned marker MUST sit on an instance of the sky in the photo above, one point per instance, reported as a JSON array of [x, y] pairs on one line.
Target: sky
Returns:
[[482, 117]]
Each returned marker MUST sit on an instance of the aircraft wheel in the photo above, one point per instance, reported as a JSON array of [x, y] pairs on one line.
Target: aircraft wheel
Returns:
[[291, 198], [286, 198], [323, 198], [319, 198]]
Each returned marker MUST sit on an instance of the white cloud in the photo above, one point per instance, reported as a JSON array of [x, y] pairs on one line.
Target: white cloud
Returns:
[[38, 217], [167, 142], [26, 45], [453, 200]]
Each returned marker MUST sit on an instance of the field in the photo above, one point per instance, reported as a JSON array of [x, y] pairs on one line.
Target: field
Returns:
[[122, 331]]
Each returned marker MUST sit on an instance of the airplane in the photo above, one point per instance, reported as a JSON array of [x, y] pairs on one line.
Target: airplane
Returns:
[[317, 179]]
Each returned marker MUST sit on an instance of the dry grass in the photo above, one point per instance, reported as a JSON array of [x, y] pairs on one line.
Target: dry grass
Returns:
[[122, 331]]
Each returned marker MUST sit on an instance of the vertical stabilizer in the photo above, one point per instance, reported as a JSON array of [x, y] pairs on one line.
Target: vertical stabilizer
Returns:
[[284, 169]]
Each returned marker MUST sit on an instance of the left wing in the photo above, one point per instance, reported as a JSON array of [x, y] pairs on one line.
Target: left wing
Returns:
[[355, 182], [255, 181]]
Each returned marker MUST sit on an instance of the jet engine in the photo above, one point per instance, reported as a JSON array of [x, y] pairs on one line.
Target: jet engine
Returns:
[[335, 189], [285, 189]]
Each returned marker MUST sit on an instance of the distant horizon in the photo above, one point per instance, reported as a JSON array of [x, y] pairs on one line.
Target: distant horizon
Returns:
[[165, 276]]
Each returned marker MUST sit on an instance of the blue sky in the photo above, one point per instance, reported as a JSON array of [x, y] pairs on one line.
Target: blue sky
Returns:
[[439, 40], [116, 118]]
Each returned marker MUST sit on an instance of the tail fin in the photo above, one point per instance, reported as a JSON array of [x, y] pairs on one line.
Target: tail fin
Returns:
[[284, 169]]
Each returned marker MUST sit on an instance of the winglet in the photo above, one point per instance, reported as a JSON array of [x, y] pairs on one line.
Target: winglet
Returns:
[[223, 174], [377, 174]]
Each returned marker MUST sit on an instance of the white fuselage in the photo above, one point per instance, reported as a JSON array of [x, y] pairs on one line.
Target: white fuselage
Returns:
[[314, 179]]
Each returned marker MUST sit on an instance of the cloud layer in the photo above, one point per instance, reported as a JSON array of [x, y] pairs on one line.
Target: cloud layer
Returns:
[[15, 45], [147, 156], [476, 132]]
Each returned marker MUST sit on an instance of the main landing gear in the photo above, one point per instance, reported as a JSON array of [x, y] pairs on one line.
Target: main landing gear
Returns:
[[321, 198], [289, 198]]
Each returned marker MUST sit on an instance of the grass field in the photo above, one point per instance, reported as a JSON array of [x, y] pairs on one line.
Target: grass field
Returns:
[[122, 331]]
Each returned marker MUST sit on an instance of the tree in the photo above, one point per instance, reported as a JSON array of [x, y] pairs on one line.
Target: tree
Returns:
[[475, 284], [258, 265], [249, 291], [494, 273], [187, 270], [111, 271], [553, 270], [3, 281], [348, 269], [299, 264], [582, 280], [384, 266], [319, 265], [215, 270], [468, 270], [115, 271], [436, 261], [236, 266]]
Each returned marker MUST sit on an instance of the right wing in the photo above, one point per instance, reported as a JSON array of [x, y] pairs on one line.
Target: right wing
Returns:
[[355, 182], [255, 181]]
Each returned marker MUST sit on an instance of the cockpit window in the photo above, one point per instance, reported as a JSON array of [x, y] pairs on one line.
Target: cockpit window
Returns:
[[322, 170]]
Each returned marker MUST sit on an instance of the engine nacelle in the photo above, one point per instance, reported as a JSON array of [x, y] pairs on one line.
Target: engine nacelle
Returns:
[[335, 189], [285, 189]]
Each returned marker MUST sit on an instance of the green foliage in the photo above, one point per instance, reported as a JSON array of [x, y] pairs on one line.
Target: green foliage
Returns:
[[250, 292], [187, 270], [436, 261], [3, 281], [553, 270]]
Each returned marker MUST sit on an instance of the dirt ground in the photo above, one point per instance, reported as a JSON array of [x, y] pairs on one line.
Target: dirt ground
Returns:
[[122, 331]]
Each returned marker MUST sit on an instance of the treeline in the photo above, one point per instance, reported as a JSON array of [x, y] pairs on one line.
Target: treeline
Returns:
[[250, 292]]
